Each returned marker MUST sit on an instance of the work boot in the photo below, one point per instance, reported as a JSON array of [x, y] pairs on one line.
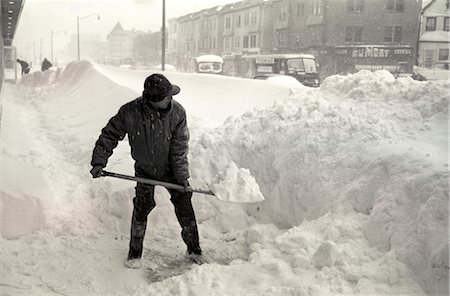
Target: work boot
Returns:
[[195, 255], [137, 239], [133, 263]]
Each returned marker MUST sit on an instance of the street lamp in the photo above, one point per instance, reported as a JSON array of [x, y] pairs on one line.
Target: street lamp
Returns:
[[51, 42], [78, 29]]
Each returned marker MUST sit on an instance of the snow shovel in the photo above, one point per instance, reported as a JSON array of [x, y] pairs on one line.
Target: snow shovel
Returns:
[[154, 182]]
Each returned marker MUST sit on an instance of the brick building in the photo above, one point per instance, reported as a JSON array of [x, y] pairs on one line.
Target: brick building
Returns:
[[344, 35]]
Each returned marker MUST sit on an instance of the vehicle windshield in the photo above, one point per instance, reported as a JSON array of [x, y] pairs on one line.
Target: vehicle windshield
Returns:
[[209, 67], [301, 65]]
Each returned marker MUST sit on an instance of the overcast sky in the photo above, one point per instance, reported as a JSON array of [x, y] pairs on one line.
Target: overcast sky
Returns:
[[39, 17]]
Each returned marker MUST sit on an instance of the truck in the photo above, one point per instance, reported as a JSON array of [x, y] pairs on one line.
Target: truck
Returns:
[[300, 66]]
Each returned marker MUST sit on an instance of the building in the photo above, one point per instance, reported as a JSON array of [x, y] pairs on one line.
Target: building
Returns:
[[147, 49], [344, 35], [91, 47], [234, 29], [120, 46], [349, 35], [10, 12], [434, 41]]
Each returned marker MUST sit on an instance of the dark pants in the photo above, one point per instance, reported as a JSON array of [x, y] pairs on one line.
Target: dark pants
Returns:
[[144, 202]]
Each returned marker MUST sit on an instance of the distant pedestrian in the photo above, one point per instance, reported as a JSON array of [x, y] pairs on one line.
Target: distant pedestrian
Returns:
[[46, 65], [25, 66]]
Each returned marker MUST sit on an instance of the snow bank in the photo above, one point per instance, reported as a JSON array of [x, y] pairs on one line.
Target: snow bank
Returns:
[[367, 139]]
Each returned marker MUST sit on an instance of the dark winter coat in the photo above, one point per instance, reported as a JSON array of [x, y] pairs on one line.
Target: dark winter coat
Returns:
[[158, 140]]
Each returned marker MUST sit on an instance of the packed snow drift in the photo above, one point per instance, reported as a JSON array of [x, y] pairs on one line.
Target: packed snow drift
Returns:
[[348, 183]]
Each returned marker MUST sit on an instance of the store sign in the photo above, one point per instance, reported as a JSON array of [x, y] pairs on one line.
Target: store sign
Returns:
[[371, 52], [265, 61], [391, 68]]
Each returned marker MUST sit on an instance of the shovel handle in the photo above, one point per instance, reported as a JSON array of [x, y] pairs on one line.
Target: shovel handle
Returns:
[[152, 182]]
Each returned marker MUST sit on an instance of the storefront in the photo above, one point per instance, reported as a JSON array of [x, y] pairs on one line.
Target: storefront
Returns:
[[350, 59]]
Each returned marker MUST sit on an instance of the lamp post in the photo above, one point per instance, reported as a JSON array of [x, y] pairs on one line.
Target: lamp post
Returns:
[[78, 29], [163, 36], [51, 42]]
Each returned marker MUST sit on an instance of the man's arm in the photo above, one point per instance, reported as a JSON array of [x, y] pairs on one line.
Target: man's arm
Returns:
[[179, 148], [111, 134]]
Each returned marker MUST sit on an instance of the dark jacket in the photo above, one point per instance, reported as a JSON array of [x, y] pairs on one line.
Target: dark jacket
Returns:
[[158, 141]]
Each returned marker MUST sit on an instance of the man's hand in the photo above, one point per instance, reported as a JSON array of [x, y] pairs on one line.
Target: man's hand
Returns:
[[96, 171], [187, 187]]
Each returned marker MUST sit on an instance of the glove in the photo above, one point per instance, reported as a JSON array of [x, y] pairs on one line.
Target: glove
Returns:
[[187, 187], [96, 171]]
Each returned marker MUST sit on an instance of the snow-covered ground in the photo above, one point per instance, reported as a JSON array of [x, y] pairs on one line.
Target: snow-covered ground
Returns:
[[354, 175]]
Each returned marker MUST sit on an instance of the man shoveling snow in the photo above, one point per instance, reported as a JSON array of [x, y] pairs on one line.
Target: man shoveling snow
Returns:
[[158, 136]]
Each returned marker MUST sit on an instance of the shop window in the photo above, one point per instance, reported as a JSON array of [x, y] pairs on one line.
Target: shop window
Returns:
[[395, 5], [355, 5], [431, 24], [443, 54]]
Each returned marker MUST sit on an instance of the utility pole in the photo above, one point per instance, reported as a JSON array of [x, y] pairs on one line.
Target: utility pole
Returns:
[[51, 46], [163, 37], [78, 37], [78, 29]]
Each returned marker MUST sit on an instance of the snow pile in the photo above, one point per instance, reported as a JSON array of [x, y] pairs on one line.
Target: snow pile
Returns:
[[236, 184], [369, 140], [354, 176]]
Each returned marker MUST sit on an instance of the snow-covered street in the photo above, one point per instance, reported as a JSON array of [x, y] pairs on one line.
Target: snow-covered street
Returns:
[[354, 176]]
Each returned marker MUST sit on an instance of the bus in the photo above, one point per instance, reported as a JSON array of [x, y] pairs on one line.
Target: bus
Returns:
[[302, 67], [208, 64]]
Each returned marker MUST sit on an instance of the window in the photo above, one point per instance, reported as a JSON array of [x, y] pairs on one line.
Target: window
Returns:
[[447, 23], [353, 34], [283, 13], [443, 54], [447, 4], [282, 38], [355, 5], [253, 17], [395, 5], [398, 34], [228, 23], [245, 41], [431, 24], [226, 41], [253, 41], [246, 19], [237, 42], [300, 9], [316, 7], [393, 34], [238, 21]]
